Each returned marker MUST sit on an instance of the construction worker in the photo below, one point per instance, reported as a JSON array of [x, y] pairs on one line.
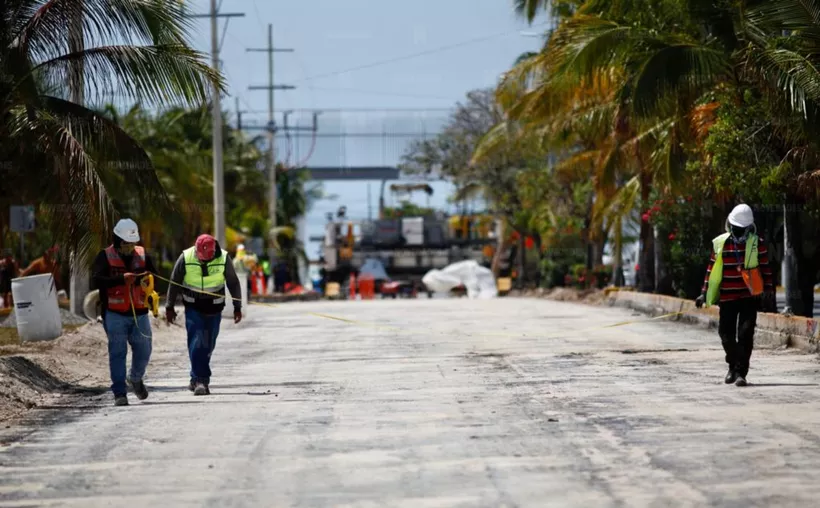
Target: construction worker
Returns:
[[737, 276], [8, 271], [47, 263], [117, 272], [203, 271]]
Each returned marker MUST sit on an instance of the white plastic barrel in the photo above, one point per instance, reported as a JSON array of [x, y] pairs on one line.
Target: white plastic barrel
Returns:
[[35, 308], [243, 283]]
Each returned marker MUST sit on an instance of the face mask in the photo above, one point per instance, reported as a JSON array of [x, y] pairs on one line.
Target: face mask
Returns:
[[739, 234]]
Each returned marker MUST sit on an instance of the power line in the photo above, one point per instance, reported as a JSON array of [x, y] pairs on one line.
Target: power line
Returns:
[[412, 55], [358, 110], [377, 92]]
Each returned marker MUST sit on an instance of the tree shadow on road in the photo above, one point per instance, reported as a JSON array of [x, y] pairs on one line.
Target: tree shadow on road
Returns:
[[766, 385]]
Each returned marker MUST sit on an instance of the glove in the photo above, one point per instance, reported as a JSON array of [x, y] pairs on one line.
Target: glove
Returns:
[[237, 315], [699, 301], [170, 314]]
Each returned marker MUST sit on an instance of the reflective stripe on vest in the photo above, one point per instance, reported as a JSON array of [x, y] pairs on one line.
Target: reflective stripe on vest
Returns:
[[118, 300], [716, 276], [194, 281]]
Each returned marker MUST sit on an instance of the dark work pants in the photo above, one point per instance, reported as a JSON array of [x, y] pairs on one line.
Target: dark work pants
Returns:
[[202, 332], [737, 331]]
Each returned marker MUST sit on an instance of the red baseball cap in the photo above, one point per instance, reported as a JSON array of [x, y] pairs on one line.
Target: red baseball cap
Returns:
[[205, 247]]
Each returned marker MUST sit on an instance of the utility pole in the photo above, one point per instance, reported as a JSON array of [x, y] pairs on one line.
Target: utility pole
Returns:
[[238, 115], [271, 128], [79, 285], [218, 146]]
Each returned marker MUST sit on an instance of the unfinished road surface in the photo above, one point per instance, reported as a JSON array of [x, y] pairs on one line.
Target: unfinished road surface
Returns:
[[508, 402]]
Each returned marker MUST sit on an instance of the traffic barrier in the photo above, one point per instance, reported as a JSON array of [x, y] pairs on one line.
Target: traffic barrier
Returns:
[[367, 287]]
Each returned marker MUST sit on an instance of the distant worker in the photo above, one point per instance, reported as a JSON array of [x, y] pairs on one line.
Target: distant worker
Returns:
[[203, 271], [47, 263], [9, 269], [117, 272], [737, 276]]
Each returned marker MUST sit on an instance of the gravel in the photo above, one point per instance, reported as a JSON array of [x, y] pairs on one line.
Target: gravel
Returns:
[[66, 316]]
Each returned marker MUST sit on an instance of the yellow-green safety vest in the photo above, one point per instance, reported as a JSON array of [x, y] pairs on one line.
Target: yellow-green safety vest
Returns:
[[195, 281], [750, 261]]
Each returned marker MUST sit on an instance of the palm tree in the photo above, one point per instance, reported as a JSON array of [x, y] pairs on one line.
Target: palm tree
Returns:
[[61, 153]]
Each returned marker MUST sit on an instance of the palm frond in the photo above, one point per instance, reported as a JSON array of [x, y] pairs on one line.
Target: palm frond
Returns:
[[677, 70], [167, 74]]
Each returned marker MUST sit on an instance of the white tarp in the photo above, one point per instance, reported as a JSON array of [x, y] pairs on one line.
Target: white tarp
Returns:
[[477, 280]]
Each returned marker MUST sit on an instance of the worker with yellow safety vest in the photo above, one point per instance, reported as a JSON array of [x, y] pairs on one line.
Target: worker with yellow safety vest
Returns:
[[116, 272], [200, 275], [737, 276]]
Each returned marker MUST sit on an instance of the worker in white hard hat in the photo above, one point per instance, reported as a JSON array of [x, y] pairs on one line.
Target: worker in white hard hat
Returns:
[[737, 277], [117, 272]]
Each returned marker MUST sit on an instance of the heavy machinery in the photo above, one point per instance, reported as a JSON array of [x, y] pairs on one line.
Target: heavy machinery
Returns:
[[407, 247]]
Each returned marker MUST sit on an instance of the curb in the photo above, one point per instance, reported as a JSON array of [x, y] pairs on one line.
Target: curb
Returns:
[[773, 330]]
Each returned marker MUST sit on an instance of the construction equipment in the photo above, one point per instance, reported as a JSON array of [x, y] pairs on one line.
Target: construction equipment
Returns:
[[408, 247]]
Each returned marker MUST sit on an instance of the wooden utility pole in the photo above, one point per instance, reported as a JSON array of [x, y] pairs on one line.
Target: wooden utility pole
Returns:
[[218, 145], [271, 129]]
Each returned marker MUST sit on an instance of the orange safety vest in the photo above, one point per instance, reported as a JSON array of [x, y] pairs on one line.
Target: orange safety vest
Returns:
[[118, 298]]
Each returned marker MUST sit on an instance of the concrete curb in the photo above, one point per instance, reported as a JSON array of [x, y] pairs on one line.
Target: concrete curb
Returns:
[[773, 330]]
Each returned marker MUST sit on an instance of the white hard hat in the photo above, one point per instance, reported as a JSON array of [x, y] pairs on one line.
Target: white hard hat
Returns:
[[741, 216], [127, 230], [240, 247]]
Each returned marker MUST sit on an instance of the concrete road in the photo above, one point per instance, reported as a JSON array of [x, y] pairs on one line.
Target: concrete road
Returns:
[[474, 403]]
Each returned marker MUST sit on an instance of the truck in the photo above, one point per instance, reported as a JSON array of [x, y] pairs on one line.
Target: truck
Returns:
[[407, 247]]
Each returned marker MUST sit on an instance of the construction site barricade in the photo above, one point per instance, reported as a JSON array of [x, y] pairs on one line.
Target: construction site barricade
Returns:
[[332, 289], [258, 283], [504, 284], [35, 308], [367, 287]]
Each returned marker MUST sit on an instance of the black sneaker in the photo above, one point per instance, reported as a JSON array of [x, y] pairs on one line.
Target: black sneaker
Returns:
[[122, 400], [741, 381], [200, 389], [731, 377], [139, 389]]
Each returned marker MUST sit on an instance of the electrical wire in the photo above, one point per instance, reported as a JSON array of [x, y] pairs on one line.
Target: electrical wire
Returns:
[[402, 58]]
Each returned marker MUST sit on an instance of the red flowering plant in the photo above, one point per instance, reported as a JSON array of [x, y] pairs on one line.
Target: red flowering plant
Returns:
[[682, 224]]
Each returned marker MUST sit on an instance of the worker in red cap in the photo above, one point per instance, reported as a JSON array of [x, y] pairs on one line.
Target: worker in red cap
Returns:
[[200, 275]]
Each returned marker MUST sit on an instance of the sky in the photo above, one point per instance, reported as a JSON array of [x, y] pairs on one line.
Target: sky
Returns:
[[369, 58]]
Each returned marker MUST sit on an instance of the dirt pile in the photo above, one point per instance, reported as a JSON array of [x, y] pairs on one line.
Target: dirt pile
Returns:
[[67, 318], [74, 365]]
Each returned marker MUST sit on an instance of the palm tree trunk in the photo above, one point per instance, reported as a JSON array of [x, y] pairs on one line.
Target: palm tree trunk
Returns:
[[646, 273], [800, 271], [501, 247], [617, 270]]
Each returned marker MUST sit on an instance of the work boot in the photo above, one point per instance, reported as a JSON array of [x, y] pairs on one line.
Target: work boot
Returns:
[[139, 389], [200, 389], [122, 400], [192, 385], [741, 381], [731, 376]]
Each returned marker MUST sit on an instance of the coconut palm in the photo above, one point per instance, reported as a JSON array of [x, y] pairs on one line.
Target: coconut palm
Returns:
[[68, 157]]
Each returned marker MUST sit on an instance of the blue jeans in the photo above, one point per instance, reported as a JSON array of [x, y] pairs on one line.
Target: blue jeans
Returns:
[[202, 332], [121, 331]]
